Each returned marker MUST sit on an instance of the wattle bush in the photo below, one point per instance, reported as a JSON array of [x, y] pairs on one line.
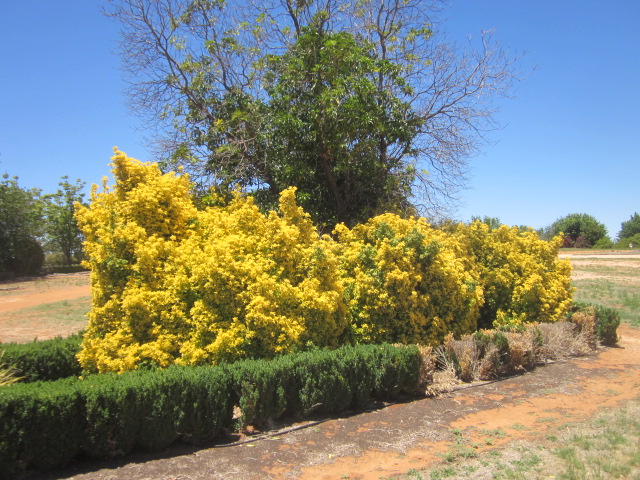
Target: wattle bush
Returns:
[[406, 282], [173, 284], [522, 277]]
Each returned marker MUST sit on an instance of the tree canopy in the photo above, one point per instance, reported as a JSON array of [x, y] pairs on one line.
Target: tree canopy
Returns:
[[61, 232], [630, 228], [20, 224], [580, 230], [362, 106]]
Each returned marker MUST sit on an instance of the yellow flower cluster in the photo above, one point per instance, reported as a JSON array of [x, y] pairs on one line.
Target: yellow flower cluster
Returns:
[[523, 278], [406, 282], [174, 284]]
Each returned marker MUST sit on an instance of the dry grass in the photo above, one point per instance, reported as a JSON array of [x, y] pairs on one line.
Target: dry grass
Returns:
[[8, 374]]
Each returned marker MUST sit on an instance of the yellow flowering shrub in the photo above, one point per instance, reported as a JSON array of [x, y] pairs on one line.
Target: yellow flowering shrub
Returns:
[[172, 284], [406, 282], [523, 278]]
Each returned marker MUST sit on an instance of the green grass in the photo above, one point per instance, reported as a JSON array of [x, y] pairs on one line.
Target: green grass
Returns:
[[617, 285]]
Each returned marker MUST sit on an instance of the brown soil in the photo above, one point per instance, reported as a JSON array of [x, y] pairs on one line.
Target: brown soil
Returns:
[[396, 438], [18, 320], [29, 292]]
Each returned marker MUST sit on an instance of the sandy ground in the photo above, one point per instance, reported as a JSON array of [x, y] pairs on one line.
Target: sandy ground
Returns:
[[30, 292], [28, 307]]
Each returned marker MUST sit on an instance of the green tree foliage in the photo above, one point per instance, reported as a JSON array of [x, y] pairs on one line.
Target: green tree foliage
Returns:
[[20, 223], [61, 229], [630, 228], [580, 230], [333, 130], [359, 105]]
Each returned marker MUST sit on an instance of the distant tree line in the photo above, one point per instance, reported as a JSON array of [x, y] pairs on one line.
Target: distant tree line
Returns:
[[33, 224]]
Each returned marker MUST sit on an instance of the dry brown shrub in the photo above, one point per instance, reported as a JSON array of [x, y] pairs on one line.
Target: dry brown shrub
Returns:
[[586, 322], [521, 351], [467, 356], [444, 378], [428, 365], [488, 367], [563, 339]]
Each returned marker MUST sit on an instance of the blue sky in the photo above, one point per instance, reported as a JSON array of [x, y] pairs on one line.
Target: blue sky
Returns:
[[570, 142]]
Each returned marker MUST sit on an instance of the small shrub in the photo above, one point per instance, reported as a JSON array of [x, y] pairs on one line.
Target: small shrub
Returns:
[[465, 355], [428, 364], [607, 323], [562, 340], [444, 379], [585, 319], [522, 351], [597, 322], [44, 360]]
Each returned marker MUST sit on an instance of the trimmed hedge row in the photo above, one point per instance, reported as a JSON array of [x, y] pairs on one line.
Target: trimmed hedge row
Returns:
[[44, 360], [45, 424], [324, 382]]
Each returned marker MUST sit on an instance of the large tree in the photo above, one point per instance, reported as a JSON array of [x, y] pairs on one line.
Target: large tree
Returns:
[[362, 105], [61, 229]]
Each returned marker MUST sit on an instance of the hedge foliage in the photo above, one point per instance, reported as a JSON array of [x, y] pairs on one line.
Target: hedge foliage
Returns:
[[173, 284], [44, 359], [324, 381], [45, 424]]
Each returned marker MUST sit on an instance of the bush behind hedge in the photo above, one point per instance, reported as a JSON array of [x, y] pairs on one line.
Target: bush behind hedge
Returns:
[[44, 360]]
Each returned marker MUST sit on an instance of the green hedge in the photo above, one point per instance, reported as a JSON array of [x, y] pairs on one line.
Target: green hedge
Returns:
[[45, 424], [323, 381], [44, 360], [41, 425]]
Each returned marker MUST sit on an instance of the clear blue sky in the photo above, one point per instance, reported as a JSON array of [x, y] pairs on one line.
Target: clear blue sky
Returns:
[[571, 137]]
